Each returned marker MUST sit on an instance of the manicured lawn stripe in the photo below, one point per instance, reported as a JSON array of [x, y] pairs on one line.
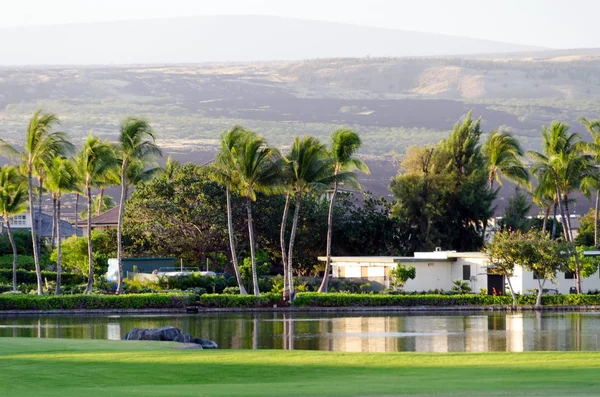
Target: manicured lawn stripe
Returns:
[[51, 367]]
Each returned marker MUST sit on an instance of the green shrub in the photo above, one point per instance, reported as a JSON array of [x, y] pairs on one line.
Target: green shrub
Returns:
[[65, 302], [350, 300], [28, 277], [213, 284], [24, 262], [264, 300]]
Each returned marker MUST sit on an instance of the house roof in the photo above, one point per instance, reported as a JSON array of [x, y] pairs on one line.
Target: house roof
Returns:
[[66, 228], [107, 218]]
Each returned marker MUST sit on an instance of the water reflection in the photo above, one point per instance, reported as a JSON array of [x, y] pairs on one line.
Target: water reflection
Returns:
[[350, 332]]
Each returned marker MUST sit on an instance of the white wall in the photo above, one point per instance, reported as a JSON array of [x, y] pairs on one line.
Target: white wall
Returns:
[[525, 281]]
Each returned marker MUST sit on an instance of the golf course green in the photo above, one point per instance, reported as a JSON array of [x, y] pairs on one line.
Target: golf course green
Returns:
[[61, 367]]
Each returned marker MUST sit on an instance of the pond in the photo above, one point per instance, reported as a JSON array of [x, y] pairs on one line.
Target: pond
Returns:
[[356, 332]]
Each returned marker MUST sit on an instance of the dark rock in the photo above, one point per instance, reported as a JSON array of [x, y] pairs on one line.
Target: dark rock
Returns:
[[169, 334], [136, 334], [205, 343], [183, 338]]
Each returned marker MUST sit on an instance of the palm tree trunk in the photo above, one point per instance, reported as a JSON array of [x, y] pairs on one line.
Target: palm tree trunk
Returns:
[[39, 221], [234, 257], [77, 214], [325, 282], [120, 228], [596, 220], [252, 253], [14, 250], [553, 233], [574, 250], [53, 241], [545, 223], [491, 179], [90, 283], [36, 251], [291, 248], [58, 250], [286, 289], [100, 198]]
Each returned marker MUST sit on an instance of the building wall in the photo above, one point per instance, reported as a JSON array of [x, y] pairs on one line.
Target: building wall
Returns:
[[523, 282], [478, 279]]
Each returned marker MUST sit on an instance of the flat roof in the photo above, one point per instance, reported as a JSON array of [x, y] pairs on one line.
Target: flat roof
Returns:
[[382, 259]]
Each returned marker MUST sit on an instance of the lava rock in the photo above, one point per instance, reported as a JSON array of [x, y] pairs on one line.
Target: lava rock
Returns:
[[136, 334], [205, 343], [183, 338]]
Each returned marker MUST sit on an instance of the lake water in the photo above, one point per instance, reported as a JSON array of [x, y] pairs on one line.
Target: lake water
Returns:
[[381, 332]]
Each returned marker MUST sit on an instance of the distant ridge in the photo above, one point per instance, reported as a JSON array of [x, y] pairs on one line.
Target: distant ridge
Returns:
[[199, 39]]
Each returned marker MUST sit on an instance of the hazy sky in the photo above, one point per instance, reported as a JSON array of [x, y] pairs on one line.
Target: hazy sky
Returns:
[[549, 23]]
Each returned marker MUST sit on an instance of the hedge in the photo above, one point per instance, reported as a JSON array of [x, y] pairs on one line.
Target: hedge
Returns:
[[264, 300], [64, 302], [29, 277], [350, 300]]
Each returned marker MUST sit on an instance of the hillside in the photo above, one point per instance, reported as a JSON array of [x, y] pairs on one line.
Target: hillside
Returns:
[[392, 102], [221, 39]]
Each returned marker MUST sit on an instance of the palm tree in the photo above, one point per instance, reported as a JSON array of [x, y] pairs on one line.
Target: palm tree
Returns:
[[170, 167], [13, 201], [41, 146], [62, 178], [136, 145], [95, 159], [593, 128], [564, 162], [503, 154], [259, 171], [309, 168], [344, 144], [224, 171]]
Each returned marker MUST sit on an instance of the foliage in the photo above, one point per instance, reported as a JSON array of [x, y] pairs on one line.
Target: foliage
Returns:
[[75, 252], [515, 217], [263, 267], [264, 300], [401, 274], [87, 302], [29, 277], [213, 284], [461, 287], [443, 194], [588, 264], [25, 262], [23, 242], [585, 233]]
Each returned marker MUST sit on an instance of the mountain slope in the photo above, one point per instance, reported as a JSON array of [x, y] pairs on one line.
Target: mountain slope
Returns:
[[223, 39]]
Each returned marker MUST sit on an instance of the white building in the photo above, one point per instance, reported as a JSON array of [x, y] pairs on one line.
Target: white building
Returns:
[[23, 222], [438, 270]]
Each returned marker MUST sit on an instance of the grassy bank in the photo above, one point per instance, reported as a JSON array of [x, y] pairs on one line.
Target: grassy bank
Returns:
[[52, 367]]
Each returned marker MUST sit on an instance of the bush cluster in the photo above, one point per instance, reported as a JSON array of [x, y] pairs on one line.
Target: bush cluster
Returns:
[[264, 300], [64, 302], [28, 277], [350, 300]]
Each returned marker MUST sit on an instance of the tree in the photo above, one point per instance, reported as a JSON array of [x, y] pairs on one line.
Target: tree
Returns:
[[505, 252], [259, 171], [41, 146], [443, 195], [593, 127], [62, 178], [515, 217], [588, 264], [503, 154], [308, 168], [224, 171], [563, 161], [75, 252], [344, 144], [401, 274], [136, 145], [95, 159], [13, 201]]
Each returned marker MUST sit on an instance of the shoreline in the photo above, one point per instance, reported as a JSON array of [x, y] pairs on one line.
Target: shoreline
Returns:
[[306, 309]]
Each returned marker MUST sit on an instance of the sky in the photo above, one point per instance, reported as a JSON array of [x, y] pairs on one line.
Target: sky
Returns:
[[546, 23]]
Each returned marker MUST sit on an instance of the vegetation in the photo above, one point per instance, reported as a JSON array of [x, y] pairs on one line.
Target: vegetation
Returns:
[[401, 274], [79, 367], [72, 302]]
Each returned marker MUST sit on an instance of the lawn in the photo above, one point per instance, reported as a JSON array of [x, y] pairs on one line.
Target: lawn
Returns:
[[53, 367]]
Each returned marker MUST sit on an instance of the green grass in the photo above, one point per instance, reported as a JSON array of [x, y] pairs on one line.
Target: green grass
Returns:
[[52, 367]]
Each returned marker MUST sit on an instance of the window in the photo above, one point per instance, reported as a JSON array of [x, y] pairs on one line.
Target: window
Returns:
[[569, 275], [466, 272], [535, 276], [19, 220]]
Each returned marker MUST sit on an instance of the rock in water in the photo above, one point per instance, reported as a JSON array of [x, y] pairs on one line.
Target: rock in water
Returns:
[[183, 338], [205, 343], [169, 334]]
